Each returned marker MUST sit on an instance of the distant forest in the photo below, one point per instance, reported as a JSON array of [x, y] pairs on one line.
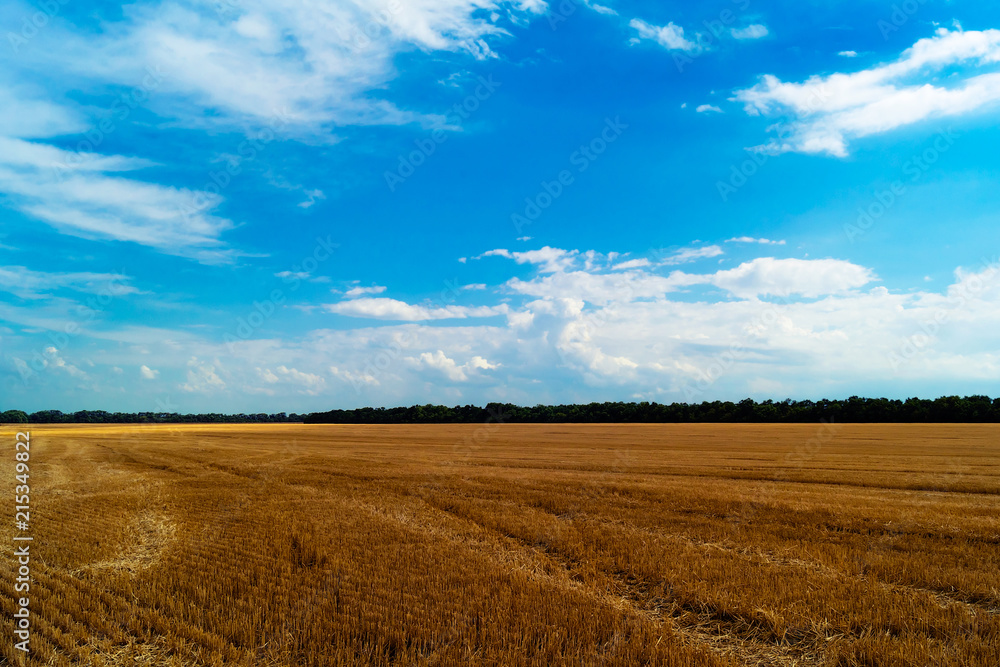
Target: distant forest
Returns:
[[855, 409]]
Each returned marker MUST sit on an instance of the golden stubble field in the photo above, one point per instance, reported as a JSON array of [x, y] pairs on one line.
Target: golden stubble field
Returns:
[[686, 545]]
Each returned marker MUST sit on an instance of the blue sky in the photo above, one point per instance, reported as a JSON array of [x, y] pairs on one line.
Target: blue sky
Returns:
[[257, 206]]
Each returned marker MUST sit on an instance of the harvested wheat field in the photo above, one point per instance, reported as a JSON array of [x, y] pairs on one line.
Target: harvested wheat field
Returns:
[[686, 545]]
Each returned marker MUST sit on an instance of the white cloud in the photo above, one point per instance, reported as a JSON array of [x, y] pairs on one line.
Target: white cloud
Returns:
[[631, 264], [600, 9], [293, 275], [79, 194], [580, 335], [759, 277], [702, 108], [202, 378], [312, 196], [848, 54], [355, 378], [312, 65], [750, 239], [361, 291], [267, 376], [685, 255], [449, 367], [308, 383], [29, 284], [27, 115], [827, 112], [270, 70], [54, 361], [548, 259], [669, 36], [390, 309], [498, 252], [474, 286], [754, 31], [147, 373], [785, 277]]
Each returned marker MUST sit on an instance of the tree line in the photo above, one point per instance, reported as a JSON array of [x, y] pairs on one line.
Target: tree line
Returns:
[[853, 409], [104, 417], [955, 409]]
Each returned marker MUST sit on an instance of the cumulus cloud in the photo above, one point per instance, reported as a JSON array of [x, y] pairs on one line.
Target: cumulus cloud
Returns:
[[753, 31], [306, 383], [785, 277], [750, 239], [53, 361], [548, 259], [202, 378], [669, 36], [361, 291], [356, 378], [705, 108], [449, 367], [147, 373], [825, 112], [810, 326], [392, 309]]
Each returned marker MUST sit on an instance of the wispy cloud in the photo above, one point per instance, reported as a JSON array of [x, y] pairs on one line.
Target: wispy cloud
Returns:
[[361, 291], [750, 239], [29, 284], [631, 264], [669, 36], [754, 31], [685, 255], [82, 194], [827, 112], [391, 309], [319, 64]]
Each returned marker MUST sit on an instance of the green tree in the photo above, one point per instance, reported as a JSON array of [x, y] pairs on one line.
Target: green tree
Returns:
[[14, 417]]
